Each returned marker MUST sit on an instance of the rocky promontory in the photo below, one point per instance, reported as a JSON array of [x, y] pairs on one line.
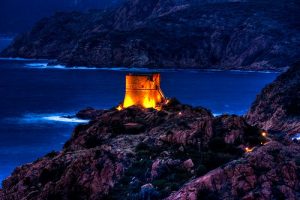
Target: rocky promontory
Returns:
[[277, 107], [223, 34], [179, 152]]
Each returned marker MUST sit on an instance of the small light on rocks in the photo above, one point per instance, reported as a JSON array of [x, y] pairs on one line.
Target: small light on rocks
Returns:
[[248, 150], [119, 108], [264, 134]]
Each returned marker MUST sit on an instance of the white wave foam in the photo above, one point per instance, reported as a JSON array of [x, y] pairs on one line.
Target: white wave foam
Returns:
[[139, 69], [63, 67], [36, 65], [253, 71], [32, 118], [44, 66], [65, 119], [296, 136]]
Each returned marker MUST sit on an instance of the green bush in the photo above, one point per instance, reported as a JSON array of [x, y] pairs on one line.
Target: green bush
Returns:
[[200, 170], [217, 144], [206, 194], [117, 127]]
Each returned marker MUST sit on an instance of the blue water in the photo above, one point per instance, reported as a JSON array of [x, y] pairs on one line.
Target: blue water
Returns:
[[4, 42], [34, 97]]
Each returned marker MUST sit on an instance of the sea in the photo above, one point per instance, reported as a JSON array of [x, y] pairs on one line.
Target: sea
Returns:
[[38, 102]]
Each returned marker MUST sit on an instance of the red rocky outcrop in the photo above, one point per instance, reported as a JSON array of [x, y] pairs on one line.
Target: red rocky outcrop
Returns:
[[277, 107], [133, 153], [269, 172]]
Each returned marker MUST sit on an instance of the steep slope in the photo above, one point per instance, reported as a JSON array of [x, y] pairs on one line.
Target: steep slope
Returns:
[[257, 35], [134, 154], [277, 108], [270, 172]]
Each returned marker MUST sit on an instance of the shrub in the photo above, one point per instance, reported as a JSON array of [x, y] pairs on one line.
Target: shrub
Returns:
[[217, 144], [117, 127], [52, 154], [200, 170], [206, 194]]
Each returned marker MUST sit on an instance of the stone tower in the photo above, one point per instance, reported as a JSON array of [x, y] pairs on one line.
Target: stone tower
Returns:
[[143, 90]]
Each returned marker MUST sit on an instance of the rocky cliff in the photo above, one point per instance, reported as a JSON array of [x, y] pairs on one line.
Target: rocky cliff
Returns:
[[146, 154], [271, 172], [277, 108], [226, 34]]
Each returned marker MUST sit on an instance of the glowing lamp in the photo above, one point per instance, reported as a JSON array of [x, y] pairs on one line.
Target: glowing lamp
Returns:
[[264, 134], [248, 150]]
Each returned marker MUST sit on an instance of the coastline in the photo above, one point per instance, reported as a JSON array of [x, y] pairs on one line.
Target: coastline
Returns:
[[49, 65], [122, 146]]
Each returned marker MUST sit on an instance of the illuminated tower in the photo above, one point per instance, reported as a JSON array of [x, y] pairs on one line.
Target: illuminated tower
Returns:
[[143, 90]]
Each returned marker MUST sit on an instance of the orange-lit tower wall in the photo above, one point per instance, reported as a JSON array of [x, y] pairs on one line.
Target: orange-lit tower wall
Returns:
[[143, 90]]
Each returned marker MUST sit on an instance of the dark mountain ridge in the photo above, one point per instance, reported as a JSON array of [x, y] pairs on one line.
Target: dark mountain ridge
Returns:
[[252, 35]]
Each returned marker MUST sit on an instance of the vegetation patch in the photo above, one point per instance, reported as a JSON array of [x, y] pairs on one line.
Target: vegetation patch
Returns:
[[172, 177]]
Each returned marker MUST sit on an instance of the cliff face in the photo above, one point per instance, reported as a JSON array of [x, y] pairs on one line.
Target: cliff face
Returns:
[[258, 35], [277, 108], [134, 154], [271, 172]]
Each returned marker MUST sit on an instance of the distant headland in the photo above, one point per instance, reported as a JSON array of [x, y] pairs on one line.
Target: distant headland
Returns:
[[243, 35]]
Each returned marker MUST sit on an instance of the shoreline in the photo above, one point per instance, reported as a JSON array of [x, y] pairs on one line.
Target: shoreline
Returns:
[[132, 69]]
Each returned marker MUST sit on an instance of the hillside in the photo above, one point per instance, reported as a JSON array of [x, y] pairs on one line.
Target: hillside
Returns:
[[277, 107], [179, 152], [251, 35], [134, 153]]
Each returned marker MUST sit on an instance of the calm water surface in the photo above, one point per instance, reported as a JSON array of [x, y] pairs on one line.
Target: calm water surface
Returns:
[[34, 97]]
